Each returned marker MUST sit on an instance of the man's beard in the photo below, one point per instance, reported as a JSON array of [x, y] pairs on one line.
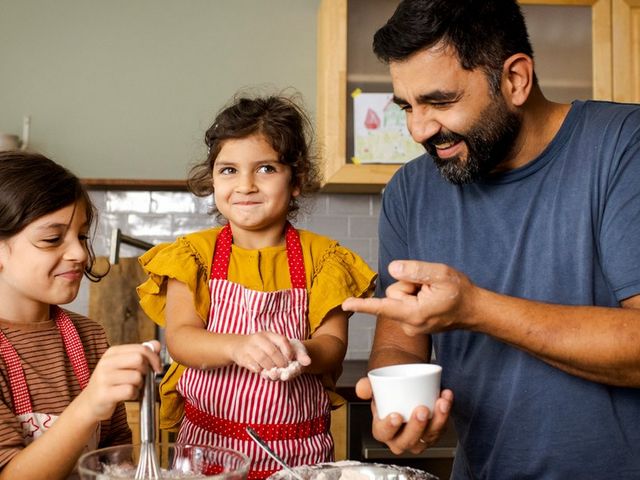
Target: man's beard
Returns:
[[488, 142]]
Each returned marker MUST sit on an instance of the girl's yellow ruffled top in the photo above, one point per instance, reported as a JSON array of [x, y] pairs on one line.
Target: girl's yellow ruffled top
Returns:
[[333, 274]]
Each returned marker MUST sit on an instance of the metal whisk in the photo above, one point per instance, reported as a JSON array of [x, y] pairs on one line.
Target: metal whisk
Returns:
[[148, 466]]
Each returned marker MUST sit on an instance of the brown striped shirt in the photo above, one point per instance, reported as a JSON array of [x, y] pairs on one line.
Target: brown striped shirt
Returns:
[[51, 380]]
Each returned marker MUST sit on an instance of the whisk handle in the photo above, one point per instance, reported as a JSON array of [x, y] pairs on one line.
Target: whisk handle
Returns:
[[148, 409]]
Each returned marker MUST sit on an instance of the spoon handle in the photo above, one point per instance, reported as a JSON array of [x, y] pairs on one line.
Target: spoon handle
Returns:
[[262, 444]]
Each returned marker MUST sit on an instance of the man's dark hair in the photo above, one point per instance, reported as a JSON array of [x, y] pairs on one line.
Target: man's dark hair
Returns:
[[483, 33]]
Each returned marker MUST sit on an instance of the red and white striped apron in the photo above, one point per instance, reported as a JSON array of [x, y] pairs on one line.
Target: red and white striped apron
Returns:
[[293, 416], [35, 424]]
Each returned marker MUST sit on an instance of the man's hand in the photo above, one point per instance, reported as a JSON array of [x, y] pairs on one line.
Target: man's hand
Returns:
[[415, 436], [427, 298]]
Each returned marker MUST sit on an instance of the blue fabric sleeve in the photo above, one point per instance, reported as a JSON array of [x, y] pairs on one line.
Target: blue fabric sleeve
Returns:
[[620, 227]]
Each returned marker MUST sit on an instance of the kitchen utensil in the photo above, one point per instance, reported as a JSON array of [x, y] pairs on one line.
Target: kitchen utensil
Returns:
[[262, 444], [177, 461], [148, 466]]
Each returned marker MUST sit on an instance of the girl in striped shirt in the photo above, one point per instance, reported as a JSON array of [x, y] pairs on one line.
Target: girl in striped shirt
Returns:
[[61, 387]]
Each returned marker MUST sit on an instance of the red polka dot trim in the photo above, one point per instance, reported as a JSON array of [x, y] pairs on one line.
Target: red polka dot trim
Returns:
[[268, 431], [73, 346], [17, 379], [294, 257], [260, 474], [222, 253]]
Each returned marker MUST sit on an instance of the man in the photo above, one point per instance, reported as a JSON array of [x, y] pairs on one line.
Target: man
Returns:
[[512, 248]]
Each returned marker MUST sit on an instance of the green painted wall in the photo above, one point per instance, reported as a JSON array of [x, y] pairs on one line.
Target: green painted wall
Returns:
[[126, 88]]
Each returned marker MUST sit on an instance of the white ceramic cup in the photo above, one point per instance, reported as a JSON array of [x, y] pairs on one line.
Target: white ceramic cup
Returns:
[[402, 388]]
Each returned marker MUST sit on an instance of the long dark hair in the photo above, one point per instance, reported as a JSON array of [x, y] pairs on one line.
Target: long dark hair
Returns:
[[483, 33], [31, 186], [286, 127]]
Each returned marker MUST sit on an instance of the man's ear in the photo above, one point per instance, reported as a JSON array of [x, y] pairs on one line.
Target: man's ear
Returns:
[[517, 78]]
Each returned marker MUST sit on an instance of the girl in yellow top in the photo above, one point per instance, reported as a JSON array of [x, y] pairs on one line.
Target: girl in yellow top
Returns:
[[252, 309]]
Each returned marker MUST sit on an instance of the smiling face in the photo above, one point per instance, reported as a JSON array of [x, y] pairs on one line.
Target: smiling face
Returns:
[[252, 190], [44, 263], [464, 125]]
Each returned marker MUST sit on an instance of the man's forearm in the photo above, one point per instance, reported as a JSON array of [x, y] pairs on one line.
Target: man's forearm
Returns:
[[601, 344]]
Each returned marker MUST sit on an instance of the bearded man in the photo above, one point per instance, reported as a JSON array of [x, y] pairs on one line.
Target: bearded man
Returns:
[[509, 254]]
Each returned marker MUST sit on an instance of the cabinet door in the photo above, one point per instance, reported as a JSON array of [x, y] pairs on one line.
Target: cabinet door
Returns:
[[572, 47], [339, 174], [626, 51]]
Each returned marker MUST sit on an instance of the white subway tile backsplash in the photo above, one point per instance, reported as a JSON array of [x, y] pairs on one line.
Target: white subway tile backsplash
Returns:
[[203, 204], [127, 201], [172, 202], [331, 226], [343, 204], [376, 203], [184, 224], [99, 199], [363, 227], [315, 205], [144, 226], [128, 251], [100, 244], [375, 245], [361, 246], [361, 329]]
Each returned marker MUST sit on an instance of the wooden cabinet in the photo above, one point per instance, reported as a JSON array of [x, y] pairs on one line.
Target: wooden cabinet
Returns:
[[345, 60], [626, 50]]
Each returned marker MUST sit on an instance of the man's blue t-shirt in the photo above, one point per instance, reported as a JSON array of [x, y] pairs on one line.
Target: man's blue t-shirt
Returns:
[[563, 229]]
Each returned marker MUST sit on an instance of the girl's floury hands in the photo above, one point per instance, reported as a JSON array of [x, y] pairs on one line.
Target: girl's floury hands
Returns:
[[294, 368], [262, 351]]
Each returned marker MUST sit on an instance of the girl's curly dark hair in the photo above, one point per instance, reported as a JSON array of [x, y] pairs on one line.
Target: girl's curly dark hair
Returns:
[[283, 123]]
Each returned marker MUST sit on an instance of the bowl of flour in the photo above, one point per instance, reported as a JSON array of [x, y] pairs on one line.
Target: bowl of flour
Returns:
[[353, 470]]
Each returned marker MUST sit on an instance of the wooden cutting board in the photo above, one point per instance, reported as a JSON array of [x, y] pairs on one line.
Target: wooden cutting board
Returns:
[[114, 303]]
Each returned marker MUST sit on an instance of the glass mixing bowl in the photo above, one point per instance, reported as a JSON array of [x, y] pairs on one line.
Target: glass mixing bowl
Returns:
[[176, 462]]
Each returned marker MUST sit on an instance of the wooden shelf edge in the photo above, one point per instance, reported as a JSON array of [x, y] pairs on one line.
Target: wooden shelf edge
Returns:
[[134, 184], [364, 178]]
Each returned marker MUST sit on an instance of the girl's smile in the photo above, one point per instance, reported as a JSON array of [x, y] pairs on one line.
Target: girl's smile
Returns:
[[253, 190]]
